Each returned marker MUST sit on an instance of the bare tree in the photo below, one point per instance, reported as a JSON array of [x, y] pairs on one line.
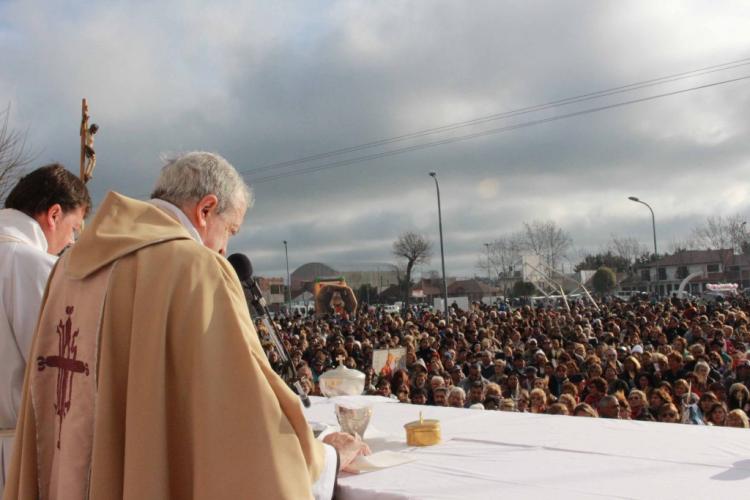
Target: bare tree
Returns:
[[546, 240], [504, 253], [627, 247], [14, 154], [677, 245], [416, 249], [721, 232]]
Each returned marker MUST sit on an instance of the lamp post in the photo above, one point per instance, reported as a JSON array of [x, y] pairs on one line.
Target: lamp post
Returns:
[[653, 220], [442, 250], [288, 281]]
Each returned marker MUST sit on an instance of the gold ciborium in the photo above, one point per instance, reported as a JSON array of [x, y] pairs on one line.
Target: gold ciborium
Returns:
[[422, 432]]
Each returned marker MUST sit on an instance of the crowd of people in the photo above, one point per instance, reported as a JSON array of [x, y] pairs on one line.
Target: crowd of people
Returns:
[[672, 361]]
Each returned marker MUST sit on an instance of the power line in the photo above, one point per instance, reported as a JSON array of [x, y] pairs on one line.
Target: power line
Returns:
[[506, 114], [484, 133]]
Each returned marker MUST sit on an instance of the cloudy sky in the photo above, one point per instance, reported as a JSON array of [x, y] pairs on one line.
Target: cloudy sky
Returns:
[[269, 82]]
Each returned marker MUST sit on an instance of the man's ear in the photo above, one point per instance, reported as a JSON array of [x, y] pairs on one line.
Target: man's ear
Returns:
[[51, 217], [204, 207]]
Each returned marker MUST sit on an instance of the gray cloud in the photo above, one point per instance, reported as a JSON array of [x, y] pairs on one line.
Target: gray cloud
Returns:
[[268, 82]]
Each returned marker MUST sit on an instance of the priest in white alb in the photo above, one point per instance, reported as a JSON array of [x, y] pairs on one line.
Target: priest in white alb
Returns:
[[41, 215]]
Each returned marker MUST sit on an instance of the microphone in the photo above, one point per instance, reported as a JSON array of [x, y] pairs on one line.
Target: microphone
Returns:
[[241, 265], [244, 269]]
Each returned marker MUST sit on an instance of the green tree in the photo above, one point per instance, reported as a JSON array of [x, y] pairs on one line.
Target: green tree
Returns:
[[604, 280], [608, 259], [523, 289]]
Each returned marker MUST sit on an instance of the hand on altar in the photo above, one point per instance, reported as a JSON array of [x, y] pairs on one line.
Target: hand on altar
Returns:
[[349, 447]]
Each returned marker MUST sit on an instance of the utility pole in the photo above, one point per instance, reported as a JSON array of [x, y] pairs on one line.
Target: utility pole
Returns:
[[288, 281]]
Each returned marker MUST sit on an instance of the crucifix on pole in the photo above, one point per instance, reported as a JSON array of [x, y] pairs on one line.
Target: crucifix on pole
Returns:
[[88, 155]]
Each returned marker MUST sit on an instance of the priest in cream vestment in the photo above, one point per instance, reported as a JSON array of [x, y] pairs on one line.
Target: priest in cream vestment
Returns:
[[146, 378]]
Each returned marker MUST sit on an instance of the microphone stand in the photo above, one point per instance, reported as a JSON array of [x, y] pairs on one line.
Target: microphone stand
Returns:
[[288, 372]]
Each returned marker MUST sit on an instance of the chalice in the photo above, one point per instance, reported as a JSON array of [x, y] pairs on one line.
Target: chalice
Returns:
[[353, 421]]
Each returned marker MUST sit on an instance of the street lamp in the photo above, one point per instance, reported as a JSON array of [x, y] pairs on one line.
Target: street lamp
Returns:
[[442, 250], [288, 281], [653, 220]]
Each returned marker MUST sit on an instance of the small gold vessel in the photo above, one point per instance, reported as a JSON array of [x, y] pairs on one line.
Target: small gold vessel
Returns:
[[422, 432]]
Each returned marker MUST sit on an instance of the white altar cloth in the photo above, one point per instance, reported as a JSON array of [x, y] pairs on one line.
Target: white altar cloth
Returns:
[[490, 454]]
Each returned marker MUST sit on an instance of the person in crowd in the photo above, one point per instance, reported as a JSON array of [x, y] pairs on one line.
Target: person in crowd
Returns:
[[571, 389], [716, 415], [507, 404], [403, 393], [597, 389], [569, 401], [457, 398], [668, 413], [630, 369], [558, 409], [739, 397], [624, 407], [705, 402], [659, 397], [585, 410], [737, 418], [701, 375], [436, 381], [609, 407], [440, 396], [456, 376], [384, 388], [676, 367], [646, 382], [487, 364], [538, 401], [523, 400], [491, 403], [475, 375], [558, 379], [43, 214], [498, 375], [418, 397], [476, 394], [419, 379], [401, 377], [639, 407]]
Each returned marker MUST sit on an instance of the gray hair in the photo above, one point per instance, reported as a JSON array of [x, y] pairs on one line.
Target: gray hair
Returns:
[[701, 364], [192, 176], [458, 392]]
